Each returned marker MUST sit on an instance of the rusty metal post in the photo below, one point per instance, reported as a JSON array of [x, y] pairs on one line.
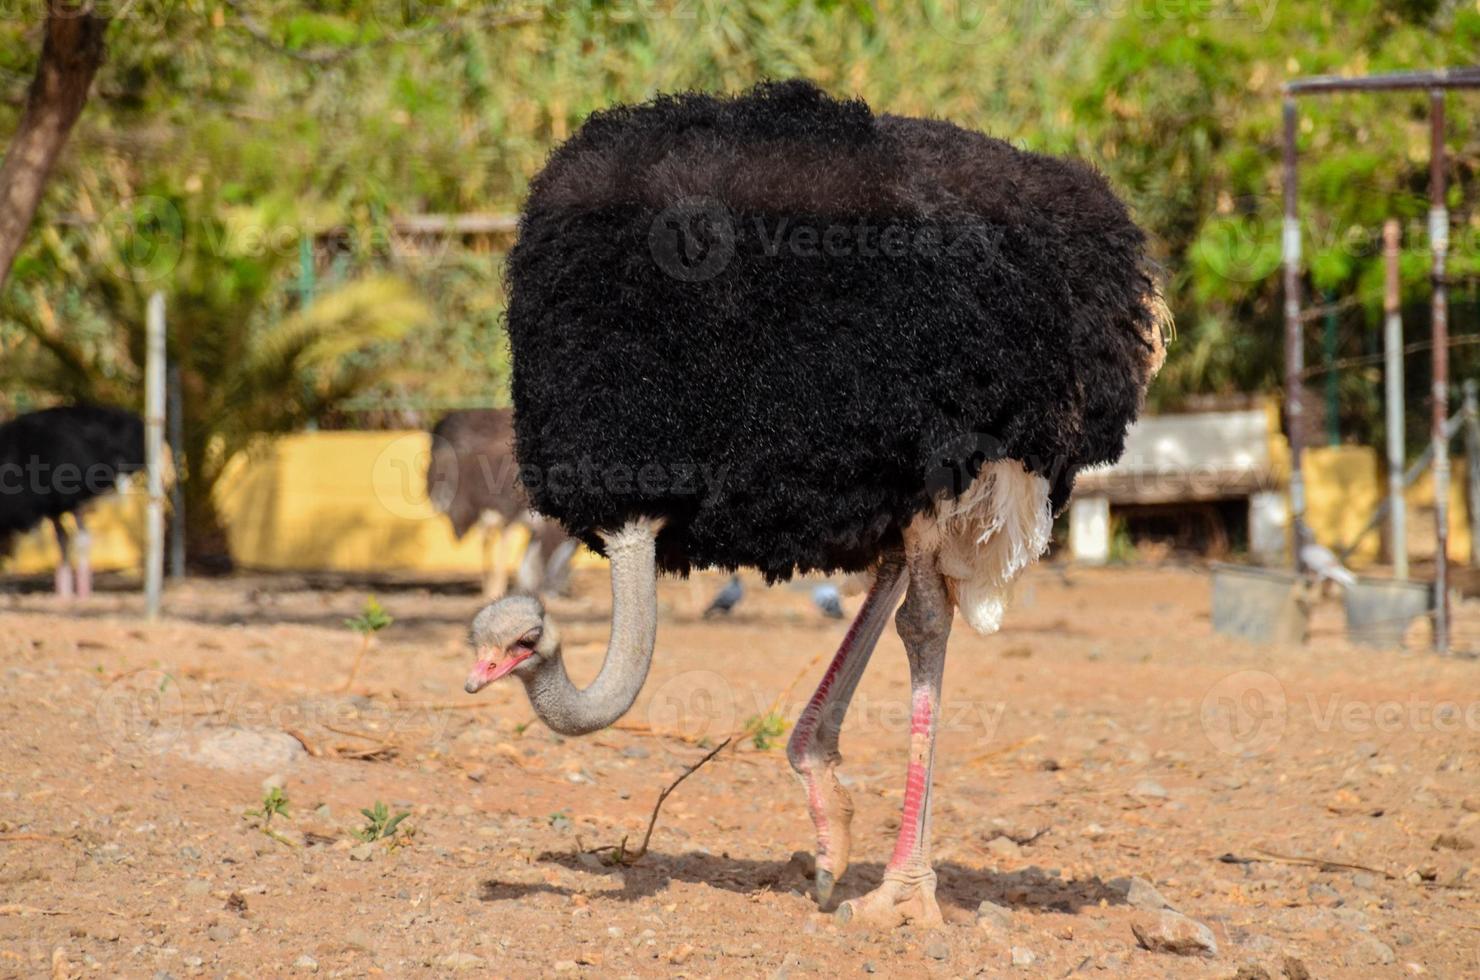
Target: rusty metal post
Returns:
[[1439, 242], [1392, 343], [1294, 338]]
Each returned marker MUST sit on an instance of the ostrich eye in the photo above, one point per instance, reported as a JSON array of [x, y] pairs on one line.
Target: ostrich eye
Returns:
[[530, 639]]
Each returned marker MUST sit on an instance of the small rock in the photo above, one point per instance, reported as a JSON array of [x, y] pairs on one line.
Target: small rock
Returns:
[[275, 781], [991, 916], [461, 962], [1005, 847], [565, 966], [1149, 789], [802, 863], [1470, 804], [1364, 880], [1453, 842], [1366, 750], [1022, 958], [1139, 893], [1173, 932], [1371, 951], [634, 752], [190, 853], [306, 964], [239, 748], [937, 949], [869, 967], [1251, 971], [221, 932], [362, 852], [1094, 831], [1323, 895], [1294, 969], [679, 955]]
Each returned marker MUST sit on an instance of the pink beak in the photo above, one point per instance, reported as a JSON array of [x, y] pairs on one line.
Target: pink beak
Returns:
[[485, 672]]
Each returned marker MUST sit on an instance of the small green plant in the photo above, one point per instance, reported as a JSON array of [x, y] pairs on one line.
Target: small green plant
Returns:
[[379, 824], [371, 621], [763, 729], [274, 804]]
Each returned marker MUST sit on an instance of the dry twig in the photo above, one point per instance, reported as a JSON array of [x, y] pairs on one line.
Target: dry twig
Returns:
[[619, 853]]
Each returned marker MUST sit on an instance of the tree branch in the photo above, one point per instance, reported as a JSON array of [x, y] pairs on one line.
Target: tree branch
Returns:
[[71, 53]]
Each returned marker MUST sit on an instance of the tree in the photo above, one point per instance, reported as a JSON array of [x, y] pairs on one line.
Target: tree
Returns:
[[71, 53], [249, 366]]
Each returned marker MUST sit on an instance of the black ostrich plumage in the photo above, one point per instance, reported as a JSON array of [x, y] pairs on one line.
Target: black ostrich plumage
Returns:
[[786, 323], [55, 460]]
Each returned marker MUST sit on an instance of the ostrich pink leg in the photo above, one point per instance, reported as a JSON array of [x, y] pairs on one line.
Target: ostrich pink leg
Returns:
[[83, 558], [907, 892], [63, 579], [813, 748]]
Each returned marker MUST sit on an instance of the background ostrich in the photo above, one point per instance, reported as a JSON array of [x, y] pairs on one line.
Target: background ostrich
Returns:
[[472, 478], [896, 340], [53, 462]]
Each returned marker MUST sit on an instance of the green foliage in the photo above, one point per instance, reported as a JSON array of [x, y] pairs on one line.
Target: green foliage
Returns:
[[379, 824], [762, 730], [372, 620], [274, 804]]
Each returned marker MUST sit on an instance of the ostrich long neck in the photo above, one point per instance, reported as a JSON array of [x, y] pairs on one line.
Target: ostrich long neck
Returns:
[[571, 711]]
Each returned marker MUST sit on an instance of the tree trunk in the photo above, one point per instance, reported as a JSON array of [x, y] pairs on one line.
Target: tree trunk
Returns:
[[70, 55]]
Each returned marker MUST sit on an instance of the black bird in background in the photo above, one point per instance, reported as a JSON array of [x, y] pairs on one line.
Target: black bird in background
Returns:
[[54, 462], [727, 598]]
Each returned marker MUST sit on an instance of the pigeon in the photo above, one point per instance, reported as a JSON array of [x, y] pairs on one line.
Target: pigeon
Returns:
[[1321, 561], [828, 600], [727, 598]]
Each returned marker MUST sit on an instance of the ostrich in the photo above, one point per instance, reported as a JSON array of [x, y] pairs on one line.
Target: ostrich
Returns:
[[889, 342], [55, 461], [472, 479]]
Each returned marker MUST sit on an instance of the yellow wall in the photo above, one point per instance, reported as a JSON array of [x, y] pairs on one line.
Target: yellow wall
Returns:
[[1343, 484], [343, 501]]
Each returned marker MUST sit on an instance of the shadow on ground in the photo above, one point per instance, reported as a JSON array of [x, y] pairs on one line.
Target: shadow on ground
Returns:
[[958, 886]]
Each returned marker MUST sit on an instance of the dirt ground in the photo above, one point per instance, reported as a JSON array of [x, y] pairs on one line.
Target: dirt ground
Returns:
[[1106, 734]]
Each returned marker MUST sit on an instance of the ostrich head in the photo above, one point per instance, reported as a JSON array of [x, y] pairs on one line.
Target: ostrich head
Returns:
[[511, 636], [514, 636]]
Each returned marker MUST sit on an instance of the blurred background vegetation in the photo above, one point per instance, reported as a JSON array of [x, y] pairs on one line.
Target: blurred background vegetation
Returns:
[[251, 158]]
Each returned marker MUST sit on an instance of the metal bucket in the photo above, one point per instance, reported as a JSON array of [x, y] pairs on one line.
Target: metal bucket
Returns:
[[1266, 605], [1379, 610]]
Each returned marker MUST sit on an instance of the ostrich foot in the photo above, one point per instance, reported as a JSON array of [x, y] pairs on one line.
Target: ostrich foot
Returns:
[[901, 897], [832, 814]]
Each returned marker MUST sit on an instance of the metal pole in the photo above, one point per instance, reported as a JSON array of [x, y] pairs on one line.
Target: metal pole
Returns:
[[174, 423], [153, 451], [1294, 346], [1392, 345], [1333, 390], [1471, 415], [1439, 240]]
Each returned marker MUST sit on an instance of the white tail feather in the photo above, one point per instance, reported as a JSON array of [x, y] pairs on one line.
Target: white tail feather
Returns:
[[986, 536]]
